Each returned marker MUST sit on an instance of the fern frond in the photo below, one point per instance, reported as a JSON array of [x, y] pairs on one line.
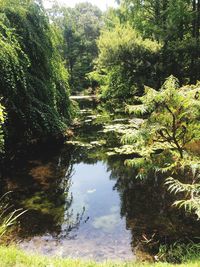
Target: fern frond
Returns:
[[137, 109], [190, 205], [175, 186]]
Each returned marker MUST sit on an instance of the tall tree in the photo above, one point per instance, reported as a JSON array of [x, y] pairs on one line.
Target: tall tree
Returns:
[[81, 28], [175, 24]]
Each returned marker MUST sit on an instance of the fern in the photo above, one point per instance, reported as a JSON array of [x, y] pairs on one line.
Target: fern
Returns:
[[175, 186], [191, 203]]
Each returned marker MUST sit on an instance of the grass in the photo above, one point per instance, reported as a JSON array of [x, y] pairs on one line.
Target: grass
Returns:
[[179, 252], [13, 257]]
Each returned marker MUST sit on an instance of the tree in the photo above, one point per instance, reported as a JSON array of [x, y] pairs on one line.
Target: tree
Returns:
[[33, 79], [175, 24], [128, 60], [80, 28], [173, 118], [172, 122]]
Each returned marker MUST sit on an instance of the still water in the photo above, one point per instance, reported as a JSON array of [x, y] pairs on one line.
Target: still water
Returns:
[[92, 226], [81, 203]]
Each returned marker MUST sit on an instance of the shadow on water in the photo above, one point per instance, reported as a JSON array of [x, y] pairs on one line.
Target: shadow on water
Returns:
[[82, 203]]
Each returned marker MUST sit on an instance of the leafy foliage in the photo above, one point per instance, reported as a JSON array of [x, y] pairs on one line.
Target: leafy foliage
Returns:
[[127, 60], [172, 118], [172, 122], [191, 191], [175, 23], [80, 27], [144, 42], [33, 80]]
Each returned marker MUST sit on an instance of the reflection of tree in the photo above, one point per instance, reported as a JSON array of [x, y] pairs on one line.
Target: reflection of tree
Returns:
[[147, 208], [43, 188], [71, 223]]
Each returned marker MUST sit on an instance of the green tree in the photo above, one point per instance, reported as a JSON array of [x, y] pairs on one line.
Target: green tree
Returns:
[[80, 27], [172, 122], [128, 60], [33, 79], [174, 23], [172, 119]]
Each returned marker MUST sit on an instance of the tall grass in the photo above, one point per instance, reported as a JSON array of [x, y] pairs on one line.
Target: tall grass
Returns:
[[8, 216], [179, 252]]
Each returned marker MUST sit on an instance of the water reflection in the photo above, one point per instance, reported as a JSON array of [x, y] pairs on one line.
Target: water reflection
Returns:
[[83, 204], [73, 209], [147, 207], [42, 187]]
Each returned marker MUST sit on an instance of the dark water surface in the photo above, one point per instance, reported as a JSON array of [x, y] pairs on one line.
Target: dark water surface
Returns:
[[82, 203]]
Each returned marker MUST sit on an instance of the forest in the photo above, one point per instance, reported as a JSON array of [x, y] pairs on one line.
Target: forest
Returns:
[[100, 133]]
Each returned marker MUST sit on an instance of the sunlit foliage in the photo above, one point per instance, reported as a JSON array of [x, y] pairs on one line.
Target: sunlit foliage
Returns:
[[172, 122], [80, 27], [187, 191], [127, 60], [175, 23]]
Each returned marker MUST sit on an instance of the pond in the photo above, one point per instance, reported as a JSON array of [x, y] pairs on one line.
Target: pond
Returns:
[[82, 203]]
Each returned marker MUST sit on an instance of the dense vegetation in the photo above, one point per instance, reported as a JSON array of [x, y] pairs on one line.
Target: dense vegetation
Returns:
[[80, 28], [162, 141], [151, 40], [33, 80]]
